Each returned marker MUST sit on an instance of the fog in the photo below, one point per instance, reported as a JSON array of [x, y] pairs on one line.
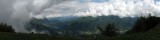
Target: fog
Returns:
[[19, 12]]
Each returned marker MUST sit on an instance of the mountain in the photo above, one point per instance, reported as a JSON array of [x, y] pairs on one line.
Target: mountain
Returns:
[[78, 25], [151, 23]]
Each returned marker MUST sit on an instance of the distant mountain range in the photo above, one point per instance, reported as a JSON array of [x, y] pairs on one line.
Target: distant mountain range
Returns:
[[78, 25]]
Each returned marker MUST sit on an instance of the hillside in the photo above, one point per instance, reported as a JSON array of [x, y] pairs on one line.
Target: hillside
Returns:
[[79, 24], [145, 28], [25, 36], [153, 34]]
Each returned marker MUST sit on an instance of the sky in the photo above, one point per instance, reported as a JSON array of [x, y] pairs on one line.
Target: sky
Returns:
[[18, 12], [122, 8]]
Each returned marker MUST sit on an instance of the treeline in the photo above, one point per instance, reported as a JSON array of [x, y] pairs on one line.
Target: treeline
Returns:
[[6, 28], [143, 24], [75, 26]]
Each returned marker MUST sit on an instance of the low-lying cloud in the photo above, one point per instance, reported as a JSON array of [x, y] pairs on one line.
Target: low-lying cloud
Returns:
[[19, 12]]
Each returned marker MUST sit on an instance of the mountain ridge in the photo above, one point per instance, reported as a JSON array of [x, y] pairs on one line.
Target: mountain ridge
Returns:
[[77, 25]]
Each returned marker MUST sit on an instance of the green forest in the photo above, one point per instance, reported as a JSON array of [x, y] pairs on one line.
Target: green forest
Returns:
[[145, 28]]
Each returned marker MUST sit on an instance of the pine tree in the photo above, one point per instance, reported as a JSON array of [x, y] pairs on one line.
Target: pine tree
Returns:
[[5, 28], [109, 30], [144, 24]]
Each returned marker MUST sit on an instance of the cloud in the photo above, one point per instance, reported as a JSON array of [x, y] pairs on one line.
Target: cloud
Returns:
[[19, 12], [5, 10], [67, 8], [122, 8]]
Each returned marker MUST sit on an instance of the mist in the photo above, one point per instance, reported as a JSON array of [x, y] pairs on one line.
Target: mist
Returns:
[[18, 12]]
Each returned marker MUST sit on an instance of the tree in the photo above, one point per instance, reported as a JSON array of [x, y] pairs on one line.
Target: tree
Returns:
[[109, 30], [144, 24], [5, 28]]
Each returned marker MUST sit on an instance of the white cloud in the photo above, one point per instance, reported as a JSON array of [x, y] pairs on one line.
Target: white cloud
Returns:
[[25, 9], [122, 8]]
